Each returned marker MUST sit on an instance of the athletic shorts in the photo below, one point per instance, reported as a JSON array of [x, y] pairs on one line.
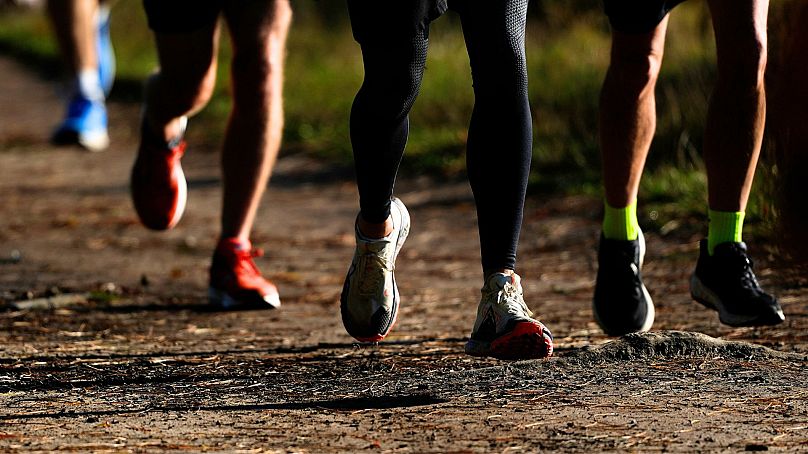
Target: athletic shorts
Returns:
[[396, 18], [637, 16], [181, 16]]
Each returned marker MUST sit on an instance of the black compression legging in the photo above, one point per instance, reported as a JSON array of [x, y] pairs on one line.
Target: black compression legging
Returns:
[[500, 133]]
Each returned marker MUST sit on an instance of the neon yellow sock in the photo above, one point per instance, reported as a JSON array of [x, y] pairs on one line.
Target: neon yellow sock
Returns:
[[621, 223], [724, 227]]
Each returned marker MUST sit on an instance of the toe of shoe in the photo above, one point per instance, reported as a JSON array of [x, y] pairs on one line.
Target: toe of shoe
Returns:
[[364, 329], [527, 340]]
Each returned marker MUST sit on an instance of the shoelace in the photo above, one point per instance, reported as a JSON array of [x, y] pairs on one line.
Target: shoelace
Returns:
[[745, 270], [177, 150], [371, 268], [512, 299], [243, 261]]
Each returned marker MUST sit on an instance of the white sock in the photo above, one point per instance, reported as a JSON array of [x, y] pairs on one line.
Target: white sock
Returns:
[[89, 85], [102, 13]]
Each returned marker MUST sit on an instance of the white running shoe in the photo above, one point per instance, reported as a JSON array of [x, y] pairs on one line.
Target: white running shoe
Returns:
[[505, 328], [370, 299]]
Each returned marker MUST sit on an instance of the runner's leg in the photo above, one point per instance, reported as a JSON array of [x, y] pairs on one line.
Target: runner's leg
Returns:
[[394, 66], [258, 29], [500, 133], [393, 37], [185, 81], [621, 304], [724, 279], [74, 25], [78, 34], [498, 160], [628, 111], [737, 113]]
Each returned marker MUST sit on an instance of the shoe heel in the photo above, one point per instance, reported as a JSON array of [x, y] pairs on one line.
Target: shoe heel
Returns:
[[702, 294]]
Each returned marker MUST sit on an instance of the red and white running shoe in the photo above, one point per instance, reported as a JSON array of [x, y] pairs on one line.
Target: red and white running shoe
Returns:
[[235, 281], [158, 186], [505, 327]]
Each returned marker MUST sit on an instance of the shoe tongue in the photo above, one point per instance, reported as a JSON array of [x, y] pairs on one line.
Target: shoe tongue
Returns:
[[497, 281], [731, 249], [373, 245]]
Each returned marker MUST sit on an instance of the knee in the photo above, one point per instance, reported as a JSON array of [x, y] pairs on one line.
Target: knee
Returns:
[[258, 63], [635, 71], [743, 67], [391, 98], [190, 91], [257, 75], [502, 77], [391, 83]]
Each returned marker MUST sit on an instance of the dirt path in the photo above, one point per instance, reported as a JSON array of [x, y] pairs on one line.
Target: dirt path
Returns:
[[128, 358]]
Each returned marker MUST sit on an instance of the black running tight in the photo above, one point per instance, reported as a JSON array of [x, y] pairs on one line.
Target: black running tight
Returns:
[[500, 133]]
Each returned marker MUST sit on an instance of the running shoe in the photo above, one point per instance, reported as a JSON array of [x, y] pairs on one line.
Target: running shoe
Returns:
[[505, 327], [370, 298], [235, 281], [159, 189], [104, 50], [726, 282], [85, 124], [621, 303]]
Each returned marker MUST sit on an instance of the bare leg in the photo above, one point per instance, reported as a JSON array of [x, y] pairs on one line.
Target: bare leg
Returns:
[[737, 112], [185, 81], [74, 24], [621, 303], [258, 30], [628, 111], [788, 117]]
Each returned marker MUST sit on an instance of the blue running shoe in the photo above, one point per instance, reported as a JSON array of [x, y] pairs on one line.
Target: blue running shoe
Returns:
[[85, 124], [106, 54]]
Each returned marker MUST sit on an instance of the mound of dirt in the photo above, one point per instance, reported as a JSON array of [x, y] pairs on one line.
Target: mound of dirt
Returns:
[[673, 345]]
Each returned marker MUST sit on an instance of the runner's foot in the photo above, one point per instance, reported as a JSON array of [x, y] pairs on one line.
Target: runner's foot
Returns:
[[370, 298], [726, 282], [504, 327], [235, 281], [85, 124], [159, 189], [621, 303]]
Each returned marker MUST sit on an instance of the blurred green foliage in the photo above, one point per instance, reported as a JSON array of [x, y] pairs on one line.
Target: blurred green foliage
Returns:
[[568, 53]]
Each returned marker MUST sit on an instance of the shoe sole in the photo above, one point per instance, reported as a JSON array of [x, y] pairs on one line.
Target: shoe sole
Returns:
[[179, 210], [91, 141], [223, 300], [709, 299], [403, 233], [95, 142], [526, 341], [182, 199], [650, 311]]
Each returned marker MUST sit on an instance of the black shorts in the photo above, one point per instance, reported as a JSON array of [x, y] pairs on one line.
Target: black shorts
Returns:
[[396, 18], [181, 16], [637, 16]]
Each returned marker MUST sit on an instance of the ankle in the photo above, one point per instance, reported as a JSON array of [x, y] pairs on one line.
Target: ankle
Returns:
[[515, 279], [234, 244], [505, 271], [375, 230], [620, 223]]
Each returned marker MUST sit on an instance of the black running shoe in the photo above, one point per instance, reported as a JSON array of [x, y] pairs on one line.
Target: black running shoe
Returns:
[[622, 304], [725, 282]]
